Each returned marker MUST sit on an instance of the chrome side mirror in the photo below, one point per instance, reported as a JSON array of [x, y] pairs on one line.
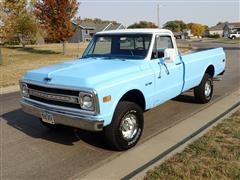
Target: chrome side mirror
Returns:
[[169, 55]]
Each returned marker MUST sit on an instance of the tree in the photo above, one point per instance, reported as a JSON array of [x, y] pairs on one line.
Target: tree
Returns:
[[143, 24], [197, 29], [18, 22], [1, 61], [175, 26], [55, 17]]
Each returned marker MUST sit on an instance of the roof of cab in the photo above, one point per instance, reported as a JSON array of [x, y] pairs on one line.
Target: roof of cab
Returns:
[[147, 30]]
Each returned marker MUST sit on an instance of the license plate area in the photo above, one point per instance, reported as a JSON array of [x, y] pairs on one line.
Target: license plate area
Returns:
[[47, 117]]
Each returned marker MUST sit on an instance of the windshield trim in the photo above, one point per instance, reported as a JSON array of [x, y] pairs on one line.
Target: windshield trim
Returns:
[[92, 43]]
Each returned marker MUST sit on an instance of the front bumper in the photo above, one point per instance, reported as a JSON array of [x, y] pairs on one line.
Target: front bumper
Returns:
[[64, 117]]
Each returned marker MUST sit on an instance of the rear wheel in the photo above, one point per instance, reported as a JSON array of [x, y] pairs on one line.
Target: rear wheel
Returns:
[[204, 91], [126, 127], [233, 37]]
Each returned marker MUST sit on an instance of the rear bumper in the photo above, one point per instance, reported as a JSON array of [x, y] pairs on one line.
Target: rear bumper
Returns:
[[63, 117]]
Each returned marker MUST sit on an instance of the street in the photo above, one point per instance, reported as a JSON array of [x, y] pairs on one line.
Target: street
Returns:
[[31, 151]]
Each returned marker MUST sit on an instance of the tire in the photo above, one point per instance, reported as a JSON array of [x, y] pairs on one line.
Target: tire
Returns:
[[204, 91], [233, 37], [118, 134]]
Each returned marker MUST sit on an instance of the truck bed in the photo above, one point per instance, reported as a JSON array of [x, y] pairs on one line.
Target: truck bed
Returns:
[[197, 62]]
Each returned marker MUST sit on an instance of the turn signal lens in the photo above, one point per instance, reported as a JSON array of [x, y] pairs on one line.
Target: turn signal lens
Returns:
[[107, 98]]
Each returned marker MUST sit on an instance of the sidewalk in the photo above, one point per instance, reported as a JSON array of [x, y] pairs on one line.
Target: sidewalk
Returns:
[[132, 159], [9, 89]]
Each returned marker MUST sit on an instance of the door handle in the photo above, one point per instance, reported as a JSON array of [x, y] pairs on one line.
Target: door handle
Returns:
[[178, 63]]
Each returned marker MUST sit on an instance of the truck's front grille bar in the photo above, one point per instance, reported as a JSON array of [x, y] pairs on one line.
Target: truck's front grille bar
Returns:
[[67, 98], [53, 90], [54, 97]]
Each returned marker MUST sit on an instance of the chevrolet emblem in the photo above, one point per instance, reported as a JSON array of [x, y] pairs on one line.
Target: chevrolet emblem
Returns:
[[47, 79]]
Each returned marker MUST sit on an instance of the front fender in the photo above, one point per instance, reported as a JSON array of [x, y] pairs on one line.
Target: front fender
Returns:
[[108, 109]]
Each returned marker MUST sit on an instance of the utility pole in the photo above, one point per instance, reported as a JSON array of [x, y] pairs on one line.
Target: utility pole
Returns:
[[158, 23]]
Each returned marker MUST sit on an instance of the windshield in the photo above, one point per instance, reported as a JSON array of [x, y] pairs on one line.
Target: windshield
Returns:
[[127, 46]]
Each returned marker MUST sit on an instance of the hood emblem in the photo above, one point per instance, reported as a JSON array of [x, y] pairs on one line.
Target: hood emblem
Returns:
[[47, 79]]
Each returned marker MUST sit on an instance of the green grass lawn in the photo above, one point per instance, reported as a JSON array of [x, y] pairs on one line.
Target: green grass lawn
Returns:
[[17, 60], [216, 155]]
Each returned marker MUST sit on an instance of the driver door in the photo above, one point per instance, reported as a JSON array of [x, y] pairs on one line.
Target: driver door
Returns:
[[168, 75]]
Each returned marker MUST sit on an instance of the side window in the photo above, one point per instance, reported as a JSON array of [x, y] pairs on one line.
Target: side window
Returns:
[[164, 42], [161, 43]]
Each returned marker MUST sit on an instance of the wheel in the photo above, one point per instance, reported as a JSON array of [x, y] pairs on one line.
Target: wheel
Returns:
[[204, 91], [233, 37], [126, 127], [49, 126]]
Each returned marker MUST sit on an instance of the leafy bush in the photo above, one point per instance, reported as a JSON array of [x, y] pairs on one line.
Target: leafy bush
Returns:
[[214, 36]]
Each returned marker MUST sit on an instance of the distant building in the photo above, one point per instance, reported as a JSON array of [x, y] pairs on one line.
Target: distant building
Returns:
[[224, 28], [86, 30], [230, 27]]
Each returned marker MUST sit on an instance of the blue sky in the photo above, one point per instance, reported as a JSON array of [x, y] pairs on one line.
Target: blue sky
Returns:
[[207, 12]]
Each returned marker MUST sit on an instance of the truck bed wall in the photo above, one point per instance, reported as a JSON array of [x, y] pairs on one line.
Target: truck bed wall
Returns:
[[197, 63]]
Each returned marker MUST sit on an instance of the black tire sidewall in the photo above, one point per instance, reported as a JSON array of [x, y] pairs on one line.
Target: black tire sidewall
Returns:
[[113, 132], [132, 142], [208, 78], [199, 91]]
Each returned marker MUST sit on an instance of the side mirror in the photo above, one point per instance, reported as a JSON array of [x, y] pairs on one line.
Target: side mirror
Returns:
[[169, 55]]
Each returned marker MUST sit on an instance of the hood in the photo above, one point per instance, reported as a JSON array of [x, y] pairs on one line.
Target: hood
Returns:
[[83, 73]]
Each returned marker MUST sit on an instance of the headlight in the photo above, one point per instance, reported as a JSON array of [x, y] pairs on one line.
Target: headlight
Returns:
[[87, 101], [24, 89]]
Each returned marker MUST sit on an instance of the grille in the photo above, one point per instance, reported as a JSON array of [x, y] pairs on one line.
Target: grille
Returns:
[[53, 90], [54, 96]]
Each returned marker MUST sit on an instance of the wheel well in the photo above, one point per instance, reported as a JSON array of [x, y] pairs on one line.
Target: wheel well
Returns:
[[135, 96], [210, 70]]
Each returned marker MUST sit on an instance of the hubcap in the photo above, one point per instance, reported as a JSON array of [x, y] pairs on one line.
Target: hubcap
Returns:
[[208, 88], [129, 126]]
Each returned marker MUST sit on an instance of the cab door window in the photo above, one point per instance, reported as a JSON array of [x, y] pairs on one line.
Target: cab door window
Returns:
[[161, 43]]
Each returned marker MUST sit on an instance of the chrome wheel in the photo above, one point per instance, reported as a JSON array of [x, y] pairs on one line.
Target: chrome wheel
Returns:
[[128, 126], [208, 89]]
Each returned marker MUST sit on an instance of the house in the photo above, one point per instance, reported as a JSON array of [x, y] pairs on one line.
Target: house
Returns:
[[230, 27], [218, 29], [86, 30], [224, 28]]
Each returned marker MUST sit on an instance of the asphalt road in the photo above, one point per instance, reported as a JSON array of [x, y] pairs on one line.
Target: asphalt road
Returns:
[[31, 151]]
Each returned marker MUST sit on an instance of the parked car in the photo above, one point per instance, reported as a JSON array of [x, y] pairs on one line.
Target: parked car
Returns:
[[121, 74], [234, 35]]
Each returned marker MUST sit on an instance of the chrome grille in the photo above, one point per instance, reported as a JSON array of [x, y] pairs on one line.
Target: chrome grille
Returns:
[[54, 96]]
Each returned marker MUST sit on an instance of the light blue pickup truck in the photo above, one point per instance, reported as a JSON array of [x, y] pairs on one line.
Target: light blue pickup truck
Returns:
[[121, 74]]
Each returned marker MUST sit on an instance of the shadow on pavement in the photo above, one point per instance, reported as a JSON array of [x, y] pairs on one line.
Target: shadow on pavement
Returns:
[[31, 126], [183, 98]]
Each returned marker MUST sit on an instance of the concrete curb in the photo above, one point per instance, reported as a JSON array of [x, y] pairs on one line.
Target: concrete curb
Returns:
[[9, 89], [131, 160]]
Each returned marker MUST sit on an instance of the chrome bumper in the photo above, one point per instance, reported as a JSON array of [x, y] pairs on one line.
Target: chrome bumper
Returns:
[[63, 117]]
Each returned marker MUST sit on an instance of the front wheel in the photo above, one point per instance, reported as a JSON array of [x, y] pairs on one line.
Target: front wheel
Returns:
[[204, 91], [126, 127]]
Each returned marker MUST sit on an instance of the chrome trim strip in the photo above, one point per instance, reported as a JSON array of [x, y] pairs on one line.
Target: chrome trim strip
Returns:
[[73, 88], [60, 108], [64, 118], [47, 95]]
